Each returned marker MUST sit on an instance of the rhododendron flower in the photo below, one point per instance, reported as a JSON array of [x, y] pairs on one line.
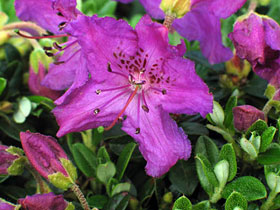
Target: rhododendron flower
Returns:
[[257, 39], [244, 116], [201, 23], [54, 15], [48, 201], [8, 162], [139, 78]]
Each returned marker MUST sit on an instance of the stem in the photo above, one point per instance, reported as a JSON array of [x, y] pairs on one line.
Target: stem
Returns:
[[75, 188], [253, 5], [30, 25], [43, 188], [266, 108], [217, 195], [168, 21], [269, 202]]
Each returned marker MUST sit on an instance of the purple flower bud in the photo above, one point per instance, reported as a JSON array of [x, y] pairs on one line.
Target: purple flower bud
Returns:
[[245, 115], [48, 201], [4, 205], [6, 160], [43, 152]]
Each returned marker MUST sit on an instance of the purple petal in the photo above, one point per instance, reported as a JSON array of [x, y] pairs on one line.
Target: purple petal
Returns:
[[185, 91], [272, 33], [40, 12], [86, 109], [109, 40], [6, 206], [6, 159], [67, 8], [48, 201], [43, 152], [152, 8], [198, 24], [160, 140], [35, 87]]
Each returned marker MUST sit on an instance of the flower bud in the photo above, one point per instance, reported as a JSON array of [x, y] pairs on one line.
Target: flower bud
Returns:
[[48, 201], [5, 205], [39, 62], [244, 116], [49, 159], [221, 171], [218, 115], [273, 181], [10, 163], [176, 8]]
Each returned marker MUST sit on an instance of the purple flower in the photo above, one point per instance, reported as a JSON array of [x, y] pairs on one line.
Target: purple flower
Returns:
[[34, 83], [256, 38], [54, 15], [4, 205], [48, 201], [6, 159], [137, 77], [202, 23], [245, 115], [44, 154]]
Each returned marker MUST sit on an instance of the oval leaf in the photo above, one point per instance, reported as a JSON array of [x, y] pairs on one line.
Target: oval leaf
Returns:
[[236, 200], [227, 153], [182, 203]]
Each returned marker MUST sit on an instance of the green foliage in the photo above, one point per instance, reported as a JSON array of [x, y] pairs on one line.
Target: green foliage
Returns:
[[236, 200], [182, 203]]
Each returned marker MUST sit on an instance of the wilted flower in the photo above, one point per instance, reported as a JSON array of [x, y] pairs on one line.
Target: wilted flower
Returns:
[[48, 201], [139, 78], [37, 72], [49, 159], [201, 23], [54, 15], [5, 205], [244, 116], [10, 163], [257, 39]]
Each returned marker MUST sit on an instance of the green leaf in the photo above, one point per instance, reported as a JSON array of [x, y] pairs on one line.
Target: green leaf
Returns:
[[231, 103], [259, 126], [273, 181], [250, 187], [3, 83], [107, 9], [267, 138], [227, 153], [182, 203], [3, 178], [248, 147], [97, 201], [147, 190], [124, 159], [236, 200], [208, 148], [103, 155], [218, 115], [180, 174], [276, 203], [221, 171], [193, 128], [122, 187], [106, 171], [118, 202], [84, 159], [44, 101], [270, 156], [203, 205], [207, 169]]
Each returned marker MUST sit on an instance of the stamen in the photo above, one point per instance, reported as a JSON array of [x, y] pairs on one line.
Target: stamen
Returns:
[[60, 14], [69, 57], [123, 110], [117, 88], [62, 25], [57, 46], [145, 108], [96, 111], [49, 54], [137, 131], [58, 62], [163, 91], [47, 48], [40, 37]]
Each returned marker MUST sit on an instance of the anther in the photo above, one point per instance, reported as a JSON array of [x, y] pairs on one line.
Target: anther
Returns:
[[58, 62], [60, 14], [47, 48], [96, 111], [98, 91], [120, 119], [145, 108], [137, 131], [142, 70], [49, 54], [57, 46], [62, 25], [163, 91], [109, 69]]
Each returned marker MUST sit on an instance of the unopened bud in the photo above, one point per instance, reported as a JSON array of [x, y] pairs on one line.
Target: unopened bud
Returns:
[[221, 170], [45, 201], [49, 159], [218, 115], [175, 8], [244, 116]]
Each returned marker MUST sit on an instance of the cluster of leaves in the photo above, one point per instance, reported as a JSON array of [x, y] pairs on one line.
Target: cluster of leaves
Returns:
[[228, 170]]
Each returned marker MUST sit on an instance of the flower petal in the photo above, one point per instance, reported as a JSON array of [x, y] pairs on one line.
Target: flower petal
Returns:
[[85, 109], [152, 8], [160, 140], [272, 33], [199, 24], [40, 12]]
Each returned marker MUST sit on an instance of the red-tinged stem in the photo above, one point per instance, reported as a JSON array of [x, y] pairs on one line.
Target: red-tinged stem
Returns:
[[75, 188], [123, 110], [41, 37], [30, 25]]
